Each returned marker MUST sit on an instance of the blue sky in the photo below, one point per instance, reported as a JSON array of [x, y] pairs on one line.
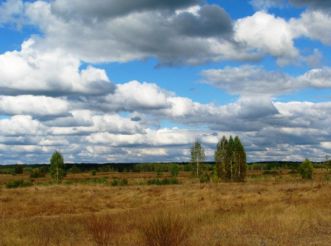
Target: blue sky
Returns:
[[123, 82]]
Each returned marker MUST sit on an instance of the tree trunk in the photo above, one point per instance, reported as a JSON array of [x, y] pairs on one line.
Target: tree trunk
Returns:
[[197, 168], [57, 175]]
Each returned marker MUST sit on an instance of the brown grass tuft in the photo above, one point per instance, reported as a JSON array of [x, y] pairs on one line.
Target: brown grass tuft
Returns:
[[165, 229], [102, 229]]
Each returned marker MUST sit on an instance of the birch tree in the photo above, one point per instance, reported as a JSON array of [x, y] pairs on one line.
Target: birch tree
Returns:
[[197, 155]]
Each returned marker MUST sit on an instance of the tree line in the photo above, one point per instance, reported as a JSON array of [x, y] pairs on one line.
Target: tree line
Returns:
[[230, 161]]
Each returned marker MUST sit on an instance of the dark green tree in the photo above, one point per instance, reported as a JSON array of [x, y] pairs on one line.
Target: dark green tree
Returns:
[[230, 159], [220, 155], [57, 171], [174, 170], [239, 159], [18, 169], [197, 155], [306, 169]]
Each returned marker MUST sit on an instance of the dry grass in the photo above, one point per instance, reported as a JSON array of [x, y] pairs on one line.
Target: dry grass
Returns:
[[165, 229], [263, 211], [101, 229]]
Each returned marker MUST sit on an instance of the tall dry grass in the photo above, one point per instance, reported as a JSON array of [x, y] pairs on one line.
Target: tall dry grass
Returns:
[[281, 210], [165, 229], [101, 229]]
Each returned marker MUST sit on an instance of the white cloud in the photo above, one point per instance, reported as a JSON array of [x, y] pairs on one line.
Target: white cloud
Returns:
[[253, 80], [135, 95], [267, 4], [51, 72], [133, 36], [314, 24], [33, 105], [57, 102], [21, 125], [160, 137], [267, 33], [11, 11]]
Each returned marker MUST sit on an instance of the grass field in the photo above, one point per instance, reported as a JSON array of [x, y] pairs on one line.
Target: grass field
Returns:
[[277, 209]]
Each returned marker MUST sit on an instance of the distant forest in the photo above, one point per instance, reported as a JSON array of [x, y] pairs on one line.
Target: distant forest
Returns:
[[161, 166]]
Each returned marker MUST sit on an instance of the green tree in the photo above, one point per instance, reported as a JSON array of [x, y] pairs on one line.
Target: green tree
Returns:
[[239, 159], [18, 169], [57, 171], [220, 155], [230, 159], [306, 169], [197, 155], [174, 170]]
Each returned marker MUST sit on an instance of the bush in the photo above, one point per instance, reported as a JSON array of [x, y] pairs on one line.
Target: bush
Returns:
[[18, 183], [204, 178], [101, 180], [165, 181], [271, 172], [188, 167], [18, 169], [94, 172], [119, 182], [36, 173], [74, 169], [165, 229], [101, 229], [306, 169], [174, 170]]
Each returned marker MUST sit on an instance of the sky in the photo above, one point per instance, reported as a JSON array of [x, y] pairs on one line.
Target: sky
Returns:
[[140, 81]]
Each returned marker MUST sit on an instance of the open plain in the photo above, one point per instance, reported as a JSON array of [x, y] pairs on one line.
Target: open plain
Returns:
[[278, 209]]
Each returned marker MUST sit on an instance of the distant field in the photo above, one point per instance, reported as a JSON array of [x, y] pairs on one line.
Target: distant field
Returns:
[[270, 208]]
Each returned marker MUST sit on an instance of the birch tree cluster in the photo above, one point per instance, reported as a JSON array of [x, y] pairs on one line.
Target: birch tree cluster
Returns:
[[230, 159]]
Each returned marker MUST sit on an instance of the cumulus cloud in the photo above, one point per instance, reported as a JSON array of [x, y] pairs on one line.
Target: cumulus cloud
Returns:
[[253, 80], [21, 125], [51, 100], [314, 4], [11, 12], [33, 105], [31, 71], [278, 34], [114, 8], [133, 36], [318, 4], [208, 21], [313, 24], [190, 32], [267, 33]]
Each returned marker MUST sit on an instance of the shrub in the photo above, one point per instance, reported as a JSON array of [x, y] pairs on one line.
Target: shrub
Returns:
[[36, 173], [18, 183], [165, 229], [101, 180], [271, 172], [174, 170], [188, 167], [18, 169], [119, 182], [94, 172], [101, 229], [74, 169], [306, 169], [204, 178], [165, 181]]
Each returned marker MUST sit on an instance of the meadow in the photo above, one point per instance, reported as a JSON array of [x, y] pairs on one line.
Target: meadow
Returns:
[[272, 207]]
